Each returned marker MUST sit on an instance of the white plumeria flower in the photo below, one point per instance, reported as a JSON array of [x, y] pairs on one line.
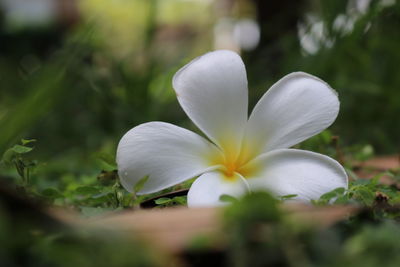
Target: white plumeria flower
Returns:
[[245, 154]]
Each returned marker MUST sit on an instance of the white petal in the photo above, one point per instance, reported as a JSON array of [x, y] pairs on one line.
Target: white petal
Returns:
[[212, 90], [291, 171], [166, 153], [209, 187], [295, 108]]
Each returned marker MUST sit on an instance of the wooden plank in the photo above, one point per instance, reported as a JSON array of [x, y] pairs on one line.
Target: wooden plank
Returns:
[[378, 165], [173, 229]]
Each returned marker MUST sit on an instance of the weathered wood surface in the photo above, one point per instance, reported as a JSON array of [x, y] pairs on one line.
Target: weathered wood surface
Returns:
[[377, 165], [173, 229]]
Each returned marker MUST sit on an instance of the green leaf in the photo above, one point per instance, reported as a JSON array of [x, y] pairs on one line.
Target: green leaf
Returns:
[[21, 149], [27, 141], [139, 199], [334, 193], [108, 160], [140, 184], [227, 198], [366, 196], [8, 156], [376, 179], [163, 200], [341, 200], [182, 200], [11, 154], [287, 197]]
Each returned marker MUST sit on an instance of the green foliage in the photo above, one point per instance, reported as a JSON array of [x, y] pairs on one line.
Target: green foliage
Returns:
[[16, 156], [167, 202], [365, 192], [358, 65], [24, 243], [244, 210], [140, 184], [51, 193], [373, 245], [260, 234]]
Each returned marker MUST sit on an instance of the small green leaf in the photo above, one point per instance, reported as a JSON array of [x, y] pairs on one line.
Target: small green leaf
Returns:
[[21, 149], [27, 141], [287, 197], [227, 198], [140, 184], [182, 200], [334, 193], [163, 200]]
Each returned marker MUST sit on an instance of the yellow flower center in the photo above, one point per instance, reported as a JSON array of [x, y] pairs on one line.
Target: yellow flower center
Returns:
[[235, 163], [230, 168]]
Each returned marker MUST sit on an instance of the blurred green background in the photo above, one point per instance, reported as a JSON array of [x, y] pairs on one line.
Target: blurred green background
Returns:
[[76, 75]]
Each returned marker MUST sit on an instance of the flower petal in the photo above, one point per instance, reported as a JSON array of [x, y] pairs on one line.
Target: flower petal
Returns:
[[212, 90], [295, 108], [166, 153], [291, 171], [209, 187]]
